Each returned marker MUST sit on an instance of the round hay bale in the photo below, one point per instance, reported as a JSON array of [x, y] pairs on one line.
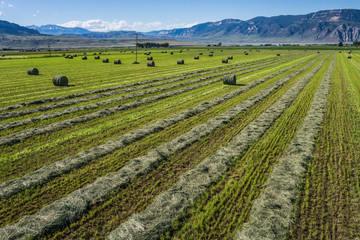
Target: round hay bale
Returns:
[[84, 53], [105, 60], [70, 57], [33, 71], [97, 57], [196, 57], [117, 61], [151, 64], [150, 58], [210, 55], [278, 54], [75, 55], [230, 57], [171, 53], [349, 57], [59, 80], [229, 80], [180, 61], [246, 53], [84, 58], [211, 51], [180, 51], [94, 53], [165, 52], [200, 53], [225, 61], [63, 54]]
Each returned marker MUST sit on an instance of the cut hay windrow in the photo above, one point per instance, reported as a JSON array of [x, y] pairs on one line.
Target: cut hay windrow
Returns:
[[14, 124], [71, 96], [46, 173], [16, 137], [271, 214], [74, 205], [12, 114], [162, 212]]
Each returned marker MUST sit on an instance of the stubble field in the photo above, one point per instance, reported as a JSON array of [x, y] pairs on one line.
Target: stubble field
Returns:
[[128, 151]]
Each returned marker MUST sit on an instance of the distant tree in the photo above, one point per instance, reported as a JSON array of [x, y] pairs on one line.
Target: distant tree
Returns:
[[219, 44], [340, 44], [356, 44]]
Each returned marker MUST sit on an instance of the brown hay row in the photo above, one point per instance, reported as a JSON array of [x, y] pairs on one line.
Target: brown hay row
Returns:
[[159, 216], [53, 99], [44, 174], [10, 125], [282, 187], [62, 211]]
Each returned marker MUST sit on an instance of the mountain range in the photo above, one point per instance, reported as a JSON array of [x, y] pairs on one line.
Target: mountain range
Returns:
[[328, 26]]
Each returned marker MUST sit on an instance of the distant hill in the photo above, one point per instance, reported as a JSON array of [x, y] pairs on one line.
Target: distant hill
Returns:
[[14, 29], [112, 34], [58, 30], [328, 26], [323, 26]]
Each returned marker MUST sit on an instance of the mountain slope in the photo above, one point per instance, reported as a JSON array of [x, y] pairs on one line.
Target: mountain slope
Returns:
[[323, 26], [14, 29], [58, 30]]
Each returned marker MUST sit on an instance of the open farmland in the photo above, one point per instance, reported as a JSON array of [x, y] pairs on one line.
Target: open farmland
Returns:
[[128, 151]]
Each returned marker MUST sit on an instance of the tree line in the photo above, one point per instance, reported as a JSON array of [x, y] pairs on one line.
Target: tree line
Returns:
[[152, 44]]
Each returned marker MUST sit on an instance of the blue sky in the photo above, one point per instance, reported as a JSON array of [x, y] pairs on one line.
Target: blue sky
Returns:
[[146, 15]]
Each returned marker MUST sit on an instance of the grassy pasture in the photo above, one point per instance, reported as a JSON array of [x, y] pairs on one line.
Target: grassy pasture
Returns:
[[130, 98]]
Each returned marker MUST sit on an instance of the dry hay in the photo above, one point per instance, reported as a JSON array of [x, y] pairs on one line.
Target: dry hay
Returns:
[[151, 64], [59, 80], [229, 80], [33, 71]]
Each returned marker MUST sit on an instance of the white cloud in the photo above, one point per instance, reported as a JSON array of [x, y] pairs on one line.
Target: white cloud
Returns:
[[35, 14], [1, 13], [98, 25], [4, 4]]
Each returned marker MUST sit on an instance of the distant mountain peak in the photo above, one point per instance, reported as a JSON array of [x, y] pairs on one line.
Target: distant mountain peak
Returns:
[[322, 26]]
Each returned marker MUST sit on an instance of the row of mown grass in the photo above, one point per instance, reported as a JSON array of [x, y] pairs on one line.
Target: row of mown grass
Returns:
[[92, 74], [34, 198], [328, 207], [170, 87], [220, 212], [104, 217], [66, 142], [126, 85]]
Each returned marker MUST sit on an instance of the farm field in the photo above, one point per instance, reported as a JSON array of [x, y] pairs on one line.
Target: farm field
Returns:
[[128, 151]]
